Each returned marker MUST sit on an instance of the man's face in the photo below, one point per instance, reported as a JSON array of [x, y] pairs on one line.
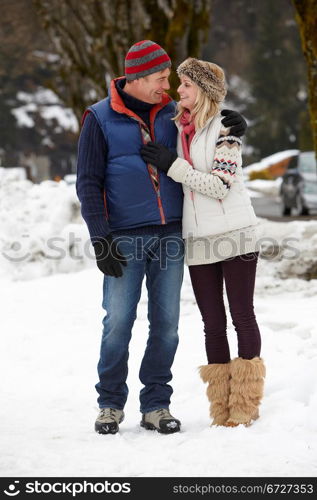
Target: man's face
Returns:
[[151, 88]]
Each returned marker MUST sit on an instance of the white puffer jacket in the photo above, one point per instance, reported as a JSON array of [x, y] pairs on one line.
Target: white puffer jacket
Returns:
[[215, 198]]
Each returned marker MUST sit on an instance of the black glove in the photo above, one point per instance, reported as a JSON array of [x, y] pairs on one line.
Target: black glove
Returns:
[[235, 121], [158, 155], [108, 257]]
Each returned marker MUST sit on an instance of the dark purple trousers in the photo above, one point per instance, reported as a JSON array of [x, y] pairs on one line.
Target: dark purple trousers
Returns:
[[238, 274]]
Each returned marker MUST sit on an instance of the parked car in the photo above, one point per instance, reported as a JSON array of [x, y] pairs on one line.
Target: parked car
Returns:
[[298, 191]]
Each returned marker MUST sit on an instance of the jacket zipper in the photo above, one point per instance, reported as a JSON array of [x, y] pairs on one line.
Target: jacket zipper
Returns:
[[192, 192], [194, 208], [223, 210], [157, 192], [161, 209], [105, 204]]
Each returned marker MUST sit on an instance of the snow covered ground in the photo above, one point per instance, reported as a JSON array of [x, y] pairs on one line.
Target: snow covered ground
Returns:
[[50, 335], [49, 348]]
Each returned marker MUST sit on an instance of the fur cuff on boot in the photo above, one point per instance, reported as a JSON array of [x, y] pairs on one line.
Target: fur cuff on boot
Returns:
[[217, 375], [246, 390]]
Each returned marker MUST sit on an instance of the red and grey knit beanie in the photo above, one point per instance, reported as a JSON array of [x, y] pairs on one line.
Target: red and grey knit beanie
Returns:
[[144, 58]]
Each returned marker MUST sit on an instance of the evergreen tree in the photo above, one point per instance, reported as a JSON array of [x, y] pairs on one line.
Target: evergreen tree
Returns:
[[275, 83], [22, 75]]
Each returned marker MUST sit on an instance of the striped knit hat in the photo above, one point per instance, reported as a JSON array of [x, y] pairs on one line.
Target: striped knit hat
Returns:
[[144, 58]]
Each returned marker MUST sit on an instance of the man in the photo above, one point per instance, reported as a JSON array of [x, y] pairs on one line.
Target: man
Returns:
[[133, 213]]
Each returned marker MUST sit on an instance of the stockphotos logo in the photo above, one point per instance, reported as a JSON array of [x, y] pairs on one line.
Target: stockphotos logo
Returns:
[[70, 488], [12, 490]]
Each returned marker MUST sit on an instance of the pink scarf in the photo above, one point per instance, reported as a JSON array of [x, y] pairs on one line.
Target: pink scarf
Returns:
[[187, 134]]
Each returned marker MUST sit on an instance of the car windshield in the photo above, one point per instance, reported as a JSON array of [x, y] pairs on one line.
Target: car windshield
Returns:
[[292, 162], [307, 162]]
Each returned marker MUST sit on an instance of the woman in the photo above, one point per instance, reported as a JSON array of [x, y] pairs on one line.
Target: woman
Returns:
[[219, 228]]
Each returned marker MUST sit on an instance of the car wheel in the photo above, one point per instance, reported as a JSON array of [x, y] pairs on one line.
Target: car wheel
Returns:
[[305, 211], [300, 207], [285, 210]]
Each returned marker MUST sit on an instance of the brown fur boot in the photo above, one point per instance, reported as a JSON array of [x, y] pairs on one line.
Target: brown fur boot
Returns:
[[217, 375], [246, 390]]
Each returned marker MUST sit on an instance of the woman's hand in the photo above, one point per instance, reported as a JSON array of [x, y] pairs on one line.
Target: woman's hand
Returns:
[[158, 155]]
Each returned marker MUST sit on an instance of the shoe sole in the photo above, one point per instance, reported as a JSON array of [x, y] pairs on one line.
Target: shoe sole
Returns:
[[151, 427], [102, 428]]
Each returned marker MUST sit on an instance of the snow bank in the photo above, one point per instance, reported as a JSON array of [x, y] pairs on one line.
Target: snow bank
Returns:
[[42, 233], [12, 174], [264, 187], [291, 248], [41, 229]]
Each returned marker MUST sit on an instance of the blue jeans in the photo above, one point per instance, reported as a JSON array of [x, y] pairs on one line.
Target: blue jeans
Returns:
[[161, 259]]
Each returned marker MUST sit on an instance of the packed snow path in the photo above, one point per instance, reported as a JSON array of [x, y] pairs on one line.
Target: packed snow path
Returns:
[[50, 337]]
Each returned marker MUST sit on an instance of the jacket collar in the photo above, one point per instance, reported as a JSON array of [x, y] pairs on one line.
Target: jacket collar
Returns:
[[117, 104]]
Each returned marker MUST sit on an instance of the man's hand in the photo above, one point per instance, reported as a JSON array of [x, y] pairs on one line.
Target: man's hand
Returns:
[[158, 155], [109, 259], [235, 121]]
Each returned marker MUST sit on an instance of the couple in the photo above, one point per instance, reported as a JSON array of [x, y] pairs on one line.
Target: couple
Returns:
[[154, 180]]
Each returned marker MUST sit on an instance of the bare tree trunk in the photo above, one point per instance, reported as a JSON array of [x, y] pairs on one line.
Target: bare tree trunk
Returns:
[[306, 16], [92, 37]]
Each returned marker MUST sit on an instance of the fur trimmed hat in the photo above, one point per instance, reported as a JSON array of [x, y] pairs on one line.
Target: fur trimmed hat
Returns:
[[209, 77], [144, 58]]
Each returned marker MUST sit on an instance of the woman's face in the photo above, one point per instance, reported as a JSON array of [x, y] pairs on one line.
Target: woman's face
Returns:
[[187, 92]]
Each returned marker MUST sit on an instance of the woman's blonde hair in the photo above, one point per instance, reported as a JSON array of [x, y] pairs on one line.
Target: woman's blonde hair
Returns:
[[205, 106]]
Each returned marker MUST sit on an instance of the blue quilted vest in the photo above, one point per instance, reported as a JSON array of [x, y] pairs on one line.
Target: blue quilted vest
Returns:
[[130, 197]]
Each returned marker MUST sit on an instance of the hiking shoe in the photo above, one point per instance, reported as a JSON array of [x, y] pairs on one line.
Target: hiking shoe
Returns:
[[161, 421], [108, 421]]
